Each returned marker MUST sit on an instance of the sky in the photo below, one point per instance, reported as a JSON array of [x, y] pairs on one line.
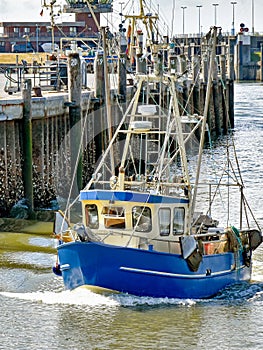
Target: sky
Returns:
[[29, 10]]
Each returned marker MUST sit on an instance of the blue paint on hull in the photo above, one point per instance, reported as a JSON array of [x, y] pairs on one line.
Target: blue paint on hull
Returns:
[[146, 273]]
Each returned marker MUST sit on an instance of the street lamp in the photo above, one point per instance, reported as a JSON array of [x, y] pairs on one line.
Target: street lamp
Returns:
[[199, 18], [183, 8], [215, 5], [233, 3]]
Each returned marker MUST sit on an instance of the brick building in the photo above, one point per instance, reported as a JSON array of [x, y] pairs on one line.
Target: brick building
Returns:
[[38, 33]]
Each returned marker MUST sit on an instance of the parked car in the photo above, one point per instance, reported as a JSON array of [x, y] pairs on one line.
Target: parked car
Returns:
[[18, 48]]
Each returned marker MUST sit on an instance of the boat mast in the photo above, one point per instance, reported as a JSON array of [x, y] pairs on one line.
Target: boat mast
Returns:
[[147, 20], [128, 137], [207, 101], [107, 85], [182, 151], [107, 97]]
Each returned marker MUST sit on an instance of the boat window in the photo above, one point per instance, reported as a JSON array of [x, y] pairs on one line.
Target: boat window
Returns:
[[141, 219], [92, 219], [178, 221], [164, 221], [113, 211], [114, 217]]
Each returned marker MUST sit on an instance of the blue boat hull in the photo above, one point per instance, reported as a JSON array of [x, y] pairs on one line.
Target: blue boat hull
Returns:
[[146, 273]]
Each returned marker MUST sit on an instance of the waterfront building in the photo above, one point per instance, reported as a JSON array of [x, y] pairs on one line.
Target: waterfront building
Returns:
[[30, 36]]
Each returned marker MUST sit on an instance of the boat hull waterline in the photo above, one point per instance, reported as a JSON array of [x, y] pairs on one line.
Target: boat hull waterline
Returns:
[[147, 273]]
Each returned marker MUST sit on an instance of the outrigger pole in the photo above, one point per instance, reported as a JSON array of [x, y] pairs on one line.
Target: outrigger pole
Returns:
[[207, 101]]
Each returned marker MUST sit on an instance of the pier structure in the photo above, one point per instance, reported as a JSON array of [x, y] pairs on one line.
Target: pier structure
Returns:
[[244, 49], [54, 122]]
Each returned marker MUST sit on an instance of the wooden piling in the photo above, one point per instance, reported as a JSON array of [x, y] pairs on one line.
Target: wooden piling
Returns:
[[196, 99], [186, 98], [216, 108], [99, 76], [203, 86], [231, 103], [239, 69], [196, 84], [122, 69], [122, 77], [229, 90], [196, 69], [225, 109], [231, 67], [222, 59], [27, 172], [75, 84], [205, 68]]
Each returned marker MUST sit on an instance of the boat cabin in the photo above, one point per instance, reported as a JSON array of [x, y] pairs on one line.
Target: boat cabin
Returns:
[[119, 218]]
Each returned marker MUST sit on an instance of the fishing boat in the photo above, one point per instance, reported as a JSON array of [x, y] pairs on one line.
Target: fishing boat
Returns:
[[145, 230]]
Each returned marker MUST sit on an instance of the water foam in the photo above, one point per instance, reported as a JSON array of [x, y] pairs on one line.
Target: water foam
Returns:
[[76, 297], [81, 296]]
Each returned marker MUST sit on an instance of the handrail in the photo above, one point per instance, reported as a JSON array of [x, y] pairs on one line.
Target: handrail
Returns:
[[45, 77], [200, 235]]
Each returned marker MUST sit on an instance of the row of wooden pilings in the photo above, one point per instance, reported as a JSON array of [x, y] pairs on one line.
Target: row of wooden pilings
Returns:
[[191, 95], [221, 111], [74, 105]]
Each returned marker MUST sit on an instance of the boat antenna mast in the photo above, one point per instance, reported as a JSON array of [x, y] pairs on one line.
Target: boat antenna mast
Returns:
[[107, 84], [52, 5], [149, 22], [213, 40]]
